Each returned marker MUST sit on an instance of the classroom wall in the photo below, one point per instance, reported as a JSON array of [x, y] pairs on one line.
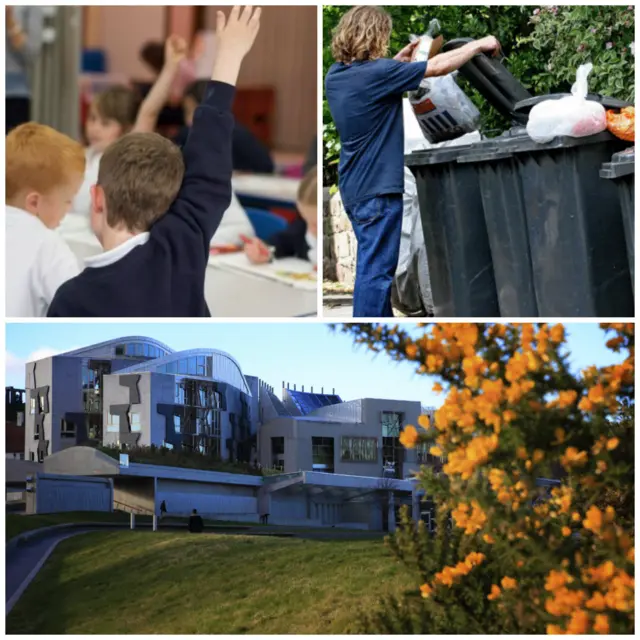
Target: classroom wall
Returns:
[[285, 57], [121, 32]]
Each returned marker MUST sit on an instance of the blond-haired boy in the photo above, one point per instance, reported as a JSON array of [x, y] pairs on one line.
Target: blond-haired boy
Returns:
[[44, 170], [155, 214]]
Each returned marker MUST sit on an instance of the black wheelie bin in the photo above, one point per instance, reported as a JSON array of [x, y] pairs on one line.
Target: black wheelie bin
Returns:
[[554, 227], [621, 170]]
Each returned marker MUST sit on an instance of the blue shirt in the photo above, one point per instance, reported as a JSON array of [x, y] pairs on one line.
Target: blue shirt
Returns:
[[365, 99]]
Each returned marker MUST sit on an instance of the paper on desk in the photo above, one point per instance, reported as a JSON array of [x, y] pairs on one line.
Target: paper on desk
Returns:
[[263, 186], [291, 271]]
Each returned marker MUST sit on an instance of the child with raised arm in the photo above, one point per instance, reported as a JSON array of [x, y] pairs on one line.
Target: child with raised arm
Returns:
[[117, 111], [364, 91], [155, 213]]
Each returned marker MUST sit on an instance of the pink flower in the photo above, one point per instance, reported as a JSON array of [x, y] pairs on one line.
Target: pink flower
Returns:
[[581, 48], [536, 12], [609, 45]]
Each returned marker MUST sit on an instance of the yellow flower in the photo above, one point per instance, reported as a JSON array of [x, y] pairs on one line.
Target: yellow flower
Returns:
[[573, 458], [601, 624], [508, 583], [409, 437], [520, 564], [557, 579], [437, 388], [521, 453], [435, 451], [612, 443], [566, 532], [631, 555], [426, 590], [411, 350], [555, 630], [576, 517], [601, 466], [509, 416], [560, 436], [495, 592], [579, 623], [596, 602], [596, 394], [567, 398], [556, 335], [593, 521], [424, 422], [488, 538], [538, 456], [585, 404]]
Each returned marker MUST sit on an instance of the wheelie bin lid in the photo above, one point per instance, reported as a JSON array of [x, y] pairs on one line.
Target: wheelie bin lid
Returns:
[[494, 82], [435, 156], [517, 141], [622, 164], [525, 106]]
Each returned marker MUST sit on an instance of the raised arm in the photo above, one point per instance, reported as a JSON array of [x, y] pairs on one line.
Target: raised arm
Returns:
[[445, 63], [175, 51], [205, 193], [25, 39]]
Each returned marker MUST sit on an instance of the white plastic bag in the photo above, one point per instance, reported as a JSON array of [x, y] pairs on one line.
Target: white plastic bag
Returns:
[[573, 116]]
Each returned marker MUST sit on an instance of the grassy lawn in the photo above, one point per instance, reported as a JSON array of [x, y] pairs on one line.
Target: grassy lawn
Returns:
[[170, 583], [17, 524]]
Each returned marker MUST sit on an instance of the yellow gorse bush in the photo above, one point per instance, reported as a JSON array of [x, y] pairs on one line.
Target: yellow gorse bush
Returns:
[[513, 412]]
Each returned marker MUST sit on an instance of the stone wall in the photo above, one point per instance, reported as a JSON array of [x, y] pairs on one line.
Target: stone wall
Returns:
[[340, 244]]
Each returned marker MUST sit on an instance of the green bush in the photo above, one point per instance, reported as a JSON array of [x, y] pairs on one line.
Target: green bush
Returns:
[[543, 48]]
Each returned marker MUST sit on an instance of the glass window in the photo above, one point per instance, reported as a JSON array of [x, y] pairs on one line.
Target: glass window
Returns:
[[202, 367], [172, 367], [176, 424], [32, 405], [119, 349], [114, 423], [323, 456], [167, 445], [277, 446], [359, 449], [391, 424], [182, 366], [134, 421]]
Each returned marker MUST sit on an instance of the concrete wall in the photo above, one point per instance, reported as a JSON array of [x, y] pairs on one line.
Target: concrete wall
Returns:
[[42, 377], [55, 494], [298, 434], [66, 396], [116, 394], [215, 501], [135, 494]]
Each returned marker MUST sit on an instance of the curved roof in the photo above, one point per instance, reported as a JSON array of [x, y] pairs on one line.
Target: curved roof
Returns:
[[224, 367], [101, 347]]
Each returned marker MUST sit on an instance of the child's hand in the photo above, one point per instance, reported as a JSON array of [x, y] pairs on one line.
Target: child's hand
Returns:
[[175, 50], [236, 34], [256, 251]]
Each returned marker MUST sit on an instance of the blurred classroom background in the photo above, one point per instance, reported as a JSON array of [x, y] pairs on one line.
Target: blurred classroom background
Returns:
[[86, 49], [75, 52]]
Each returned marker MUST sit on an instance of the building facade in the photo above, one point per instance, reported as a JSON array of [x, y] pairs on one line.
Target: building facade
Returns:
[[136, 391]]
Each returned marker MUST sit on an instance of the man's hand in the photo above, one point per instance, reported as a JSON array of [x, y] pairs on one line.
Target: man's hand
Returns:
[[406, 53], [488, 45], [237, 33], [175, 50]]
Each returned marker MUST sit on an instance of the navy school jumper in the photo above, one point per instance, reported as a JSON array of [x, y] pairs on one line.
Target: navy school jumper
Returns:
[[164, 277]]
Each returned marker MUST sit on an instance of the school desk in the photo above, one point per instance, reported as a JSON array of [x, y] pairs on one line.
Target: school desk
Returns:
[[266, 192], [228, 294]]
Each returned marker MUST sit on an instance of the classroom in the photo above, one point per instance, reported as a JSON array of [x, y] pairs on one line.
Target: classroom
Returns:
[[146, 68]]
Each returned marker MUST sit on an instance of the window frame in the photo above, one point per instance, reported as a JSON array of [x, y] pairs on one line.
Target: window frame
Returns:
[[362, 440]]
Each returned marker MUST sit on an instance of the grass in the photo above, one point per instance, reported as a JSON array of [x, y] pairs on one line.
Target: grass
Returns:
[[174, 583], [17, 524]]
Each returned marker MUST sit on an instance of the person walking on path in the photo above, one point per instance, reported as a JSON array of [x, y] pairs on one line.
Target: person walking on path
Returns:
[[364, 91], [163, 509]]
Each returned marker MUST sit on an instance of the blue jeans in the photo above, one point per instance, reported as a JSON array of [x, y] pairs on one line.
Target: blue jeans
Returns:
[[377, 224]]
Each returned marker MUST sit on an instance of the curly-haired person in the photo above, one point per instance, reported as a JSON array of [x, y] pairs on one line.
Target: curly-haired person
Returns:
[[364, 90]]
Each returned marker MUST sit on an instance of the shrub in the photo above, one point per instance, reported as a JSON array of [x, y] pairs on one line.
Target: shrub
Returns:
[[514, 412]]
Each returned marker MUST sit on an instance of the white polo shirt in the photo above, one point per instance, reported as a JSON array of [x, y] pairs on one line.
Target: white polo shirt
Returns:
[[38, 261], [82, 201]]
